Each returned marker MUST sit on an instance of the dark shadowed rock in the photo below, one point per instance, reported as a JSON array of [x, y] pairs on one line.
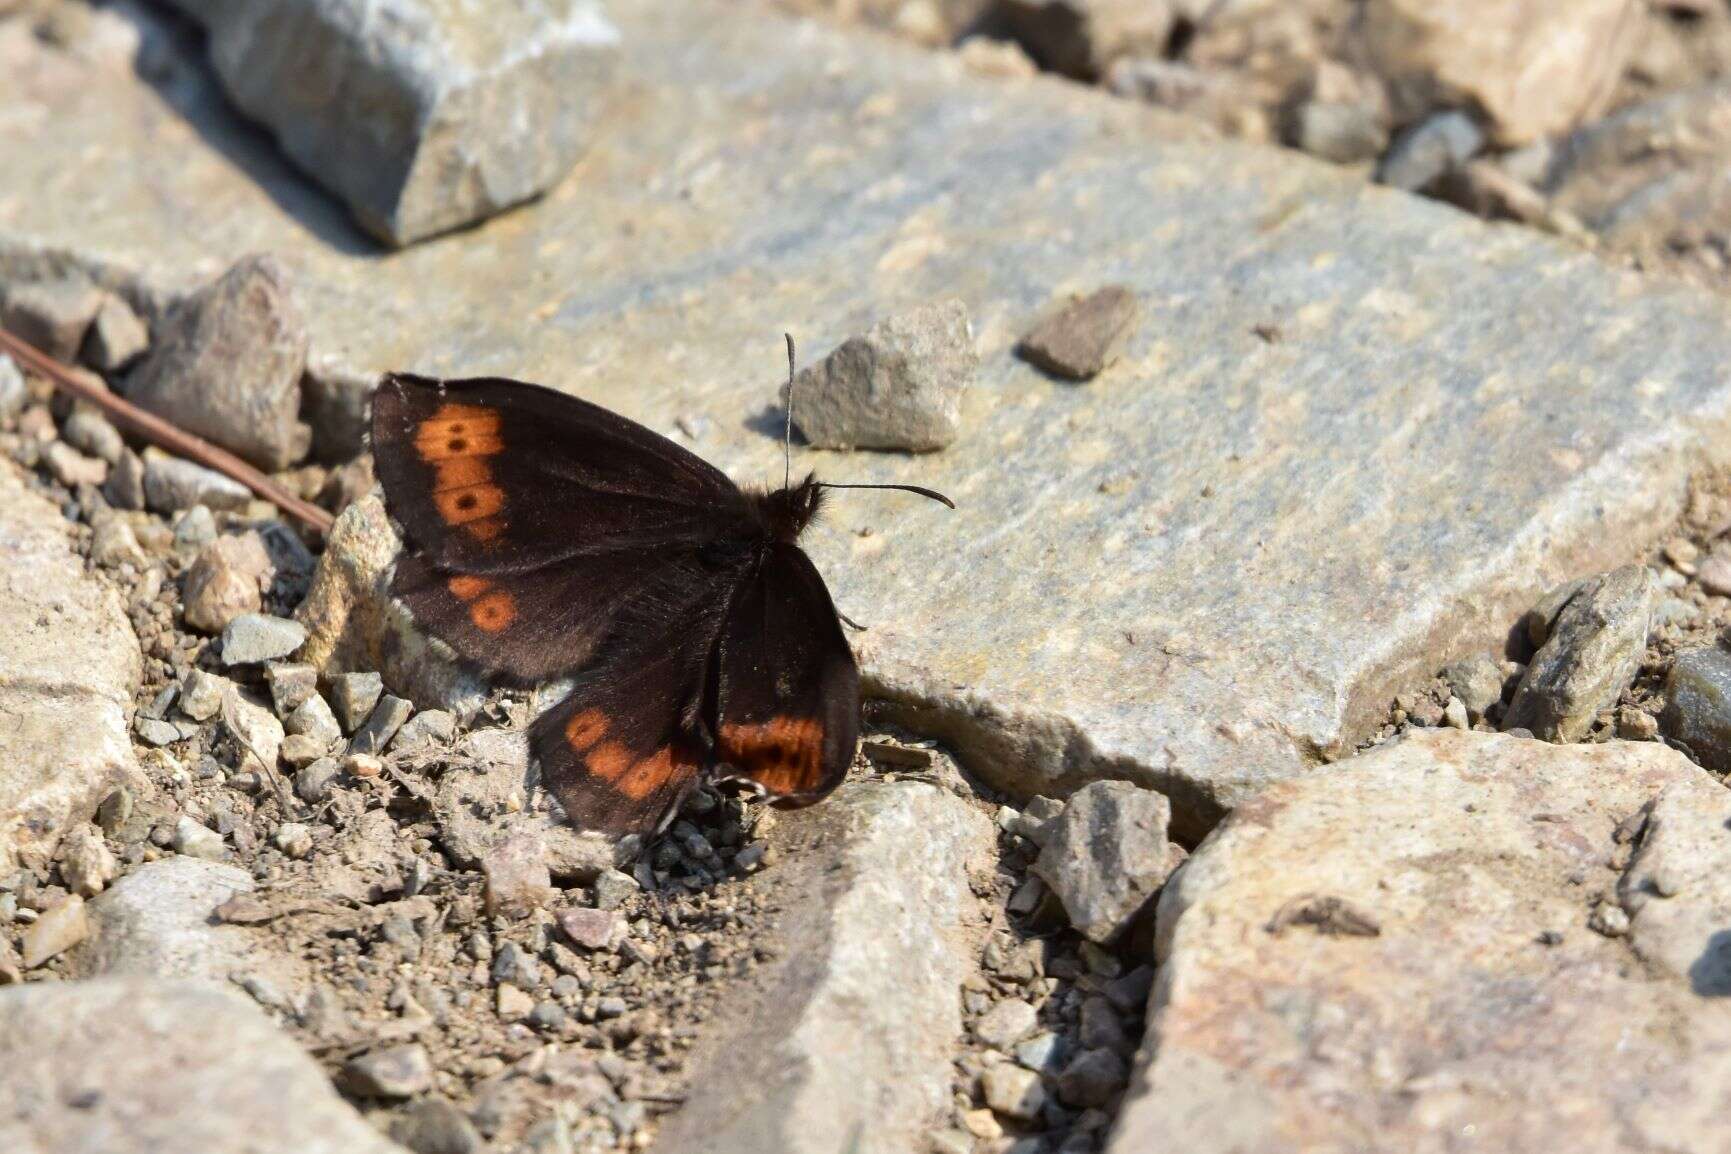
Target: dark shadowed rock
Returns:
[[1697, 714], [1590, 656]]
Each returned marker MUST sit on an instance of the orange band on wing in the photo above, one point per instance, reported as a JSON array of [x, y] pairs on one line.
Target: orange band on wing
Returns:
[[783, 754], [613, 762]]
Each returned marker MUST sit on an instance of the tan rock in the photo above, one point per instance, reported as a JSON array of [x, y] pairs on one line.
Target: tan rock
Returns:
[[1443, 974], [227, 579]]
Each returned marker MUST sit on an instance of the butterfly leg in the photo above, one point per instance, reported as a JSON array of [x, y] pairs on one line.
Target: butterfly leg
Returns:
[[849, 621]]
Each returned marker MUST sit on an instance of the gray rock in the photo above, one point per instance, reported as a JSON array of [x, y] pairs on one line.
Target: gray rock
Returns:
[[517, 879], [1428, 150], [14, 393], [157, 921], [431, 725], [227, 580], [1697, 713], [1538, 621], [353, 695], [202, 694], [1345, 133], [1006, 1023], [613, 889], [196, 840], [1013, 1091], [171, 484], [293, 839], [72, 468], [1106, 855], [312, 718], [299, 751], [1181, 510], [1438, 838], [69, 664], [53, 314], [1092, 1078], [1040, 1053], [846, 1041], [313, 784], [154, 731], [113, 543], [1590, 657], [291, 684], [245, 1086], [125, 487], [381, 725], [89, 431], [116, 338], [195, 528], [394, 1072], [354, 625], [255, 730], [227, 365], [85, 862], [1477, 682], [898, 386], [1080, 338], [435, 1126], [422, 116], [252, 638]]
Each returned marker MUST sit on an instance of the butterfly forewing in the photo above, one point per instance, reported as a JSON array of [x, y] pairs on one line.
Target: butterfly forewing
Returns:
[[787, 688]]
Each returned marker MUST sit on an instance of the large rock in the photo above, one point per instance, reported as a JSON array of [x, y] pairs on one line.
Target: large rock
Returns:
[[68, 666], [1106, 855], [1210, 570], [1532, 67], [846, 1042], [354, 625], [138, 1066], [423, 115], [1417, 941], [227, 365]]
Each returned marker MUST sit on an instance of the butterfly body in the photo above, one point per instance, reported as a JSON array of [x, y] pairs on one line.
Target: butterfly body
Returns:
[[545, 537]]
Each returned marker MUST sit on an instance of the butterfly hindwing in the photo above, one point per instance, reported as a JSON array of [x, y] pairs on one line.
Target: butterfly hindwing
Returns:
[[787, 687]]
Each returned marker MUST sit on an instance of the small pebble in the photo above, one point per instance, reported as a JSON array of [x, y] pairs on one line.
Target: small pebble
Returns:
[[381, 725], [613, 889], [200, 841], [353, 696], [1006, 1023], [1013, 1092], [293, 839], [394, 1072], [57, 930], [252, 638]]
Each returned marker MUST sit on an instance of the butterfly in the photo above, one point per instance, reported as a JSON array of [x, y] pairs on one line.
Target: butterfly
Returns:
[[546, 537]]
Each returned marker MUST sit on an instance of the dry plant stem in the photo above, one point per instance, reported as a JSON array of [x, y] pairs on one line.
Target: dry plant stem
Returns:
[[88, 387]]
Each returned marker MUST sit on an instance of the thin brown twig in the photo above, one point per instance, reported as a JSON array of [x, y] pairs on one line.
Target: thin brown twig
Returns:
[[88, 387]]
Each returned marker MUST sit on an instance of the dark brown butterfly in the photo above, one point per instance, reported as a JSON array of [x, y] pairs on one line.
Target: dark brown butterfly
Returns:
[[547, 537]]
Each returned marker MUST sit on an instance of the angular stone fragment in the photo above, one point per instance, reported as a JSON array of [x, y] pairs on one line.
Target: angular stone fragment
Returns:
[[382, 724], [1079, 339], [68, 666], [57, 930], [313, 719], [171, 484], [1589, 658], [117, 336], [353, 696], [423, 115], [393, 1072], [243, 1086], [255, 731], [1106, 855], [202, 694], [354, 625], [516, 876], [851, 1042], [85, 862], [899, 386], [253, 638], [1697, 714], [53, 315], [1534, 67], [227, 365], [1483, 999], [226, 580]]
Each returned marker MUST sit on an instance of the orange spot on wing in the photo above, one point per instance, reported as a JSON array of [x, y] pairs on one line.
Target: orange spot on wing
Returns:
[[460, 506], [783, 754], [635, 777], [585, 729], [468, 587], [456, 431], [461, 473], [485, 530], [493, 612]]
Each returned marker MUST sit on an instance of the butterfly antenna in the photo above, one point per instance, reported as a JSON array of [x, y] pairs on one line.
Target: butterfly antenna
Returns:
[[932, 493], [787, 432]]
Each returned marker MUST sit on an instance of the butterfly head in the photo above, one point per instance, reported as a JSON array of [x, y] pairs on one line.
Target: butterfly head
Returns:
[[791, 508]]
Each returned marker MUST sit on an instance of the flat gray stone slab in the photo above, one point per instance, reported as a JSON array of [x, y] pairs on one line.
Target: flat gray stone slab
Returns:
[[1353, 433], [138, 1066], [68, 665], [846, 1043]]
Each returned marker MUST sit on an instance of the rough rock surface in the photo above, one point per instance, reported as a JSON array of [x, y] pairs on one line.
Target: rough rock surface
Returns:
[[1402, 946], [1106, 855], [423, 115], [897, 386], [68, 665], [227, 365], [1168, 598], [353, 624], [179, 1086], [1534, 67], [1590, 654], [846, 1044]]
